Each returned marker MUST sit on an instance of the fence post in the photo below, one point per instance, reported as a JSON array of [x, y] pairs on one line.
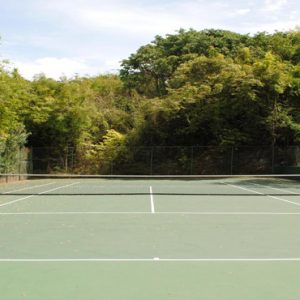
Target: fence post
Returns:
[[19, 164], [6, 172], [273, 159], [231, 160], [192, 159], [72, 159], [66, 159], [151, 161], [31, 160], [111, 168]]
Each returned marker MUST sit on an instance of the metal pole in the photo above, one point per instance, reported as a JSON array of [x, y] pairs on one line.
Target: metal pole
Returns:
[[66, 159], [6, 171], [151, 161], [273, 159], [72, 159], [192, 159], [19, 164], [231, 160], [31, 160]]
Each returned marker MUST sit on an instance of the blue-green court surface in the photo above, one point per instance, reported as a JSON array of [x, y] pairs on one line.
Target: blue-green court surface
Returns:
[[86, 239]]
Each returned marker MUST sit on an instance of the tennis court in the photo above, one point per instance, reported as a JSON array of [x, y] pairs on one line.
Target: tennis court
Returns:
[[150, 238]]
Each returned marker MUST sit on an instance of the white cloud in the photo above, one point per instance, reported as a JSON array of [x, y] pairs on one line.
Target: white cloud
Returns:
[[54, 67], [129, 21], [269, 27], [90, 36], [242, 12], [274, 5], [294, 15], [147, 19]]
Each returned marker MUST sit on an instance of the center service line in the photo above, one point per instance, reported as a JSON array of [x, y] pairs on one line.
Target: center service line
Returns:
[[152, 201]]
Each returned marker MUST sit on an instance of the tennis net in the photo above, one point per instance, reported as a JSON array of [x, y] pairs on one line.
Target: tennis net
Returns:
[[227, 185]]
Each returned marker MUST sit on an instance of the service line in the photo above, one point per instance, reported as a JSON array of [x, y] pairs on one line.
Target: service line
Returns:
[[180, 213], [26, 188], [256, 192], [41, 193]]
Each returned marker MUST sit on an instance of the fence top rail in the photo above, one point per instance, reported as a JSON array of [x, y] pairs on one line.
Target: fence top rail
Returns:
[[147, 176]]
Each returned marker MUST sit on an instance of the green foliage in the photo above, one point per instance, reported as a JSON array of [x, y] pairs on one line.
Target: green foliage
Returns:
[[11, 144], [224, 102], [13, 91], [150, 68], [99, 158], [210, 87]]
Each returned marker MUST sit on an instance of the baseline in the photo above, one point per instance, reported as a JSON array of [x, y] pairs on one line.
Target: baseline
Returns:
[[155, 259]]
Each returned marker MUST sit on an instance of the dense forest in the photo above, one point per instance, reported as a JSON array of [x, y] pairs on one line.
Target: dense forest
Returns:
[[211, 89]]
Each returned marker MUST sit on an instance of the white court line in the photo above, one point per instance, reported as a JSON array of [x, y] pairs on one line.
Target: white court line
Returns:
[[27, 188], [253, 191], [155, 259], [21, 199], [273, 188], [147, 213], [152, 201]]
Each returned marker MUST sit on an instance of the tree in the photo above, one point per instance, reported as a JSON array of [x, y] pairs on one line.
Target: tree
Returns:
[[150, 68], [13, 135]]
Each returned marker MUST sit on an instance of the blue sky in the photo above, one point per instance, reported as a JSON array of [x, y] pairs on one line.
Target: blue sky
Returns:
[[67, 37]]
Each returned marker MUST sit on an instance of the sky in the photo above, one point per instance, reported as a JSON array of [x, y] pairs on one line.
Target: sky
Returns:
[[90, 37]]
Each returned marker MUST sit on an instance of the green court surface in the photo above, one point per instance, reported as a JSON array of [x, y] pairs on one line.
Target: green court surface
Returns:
[[150, 239]]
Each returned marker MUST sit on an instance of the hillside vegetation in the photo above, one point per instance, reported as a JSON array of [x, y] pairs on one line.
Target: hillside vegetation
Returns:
[[193, 88]]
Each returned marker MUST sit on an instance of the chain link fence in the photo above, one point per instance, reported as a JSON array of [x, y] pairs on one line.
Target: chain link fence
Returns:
[[14, 162], [156, 160], [196, 160]]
